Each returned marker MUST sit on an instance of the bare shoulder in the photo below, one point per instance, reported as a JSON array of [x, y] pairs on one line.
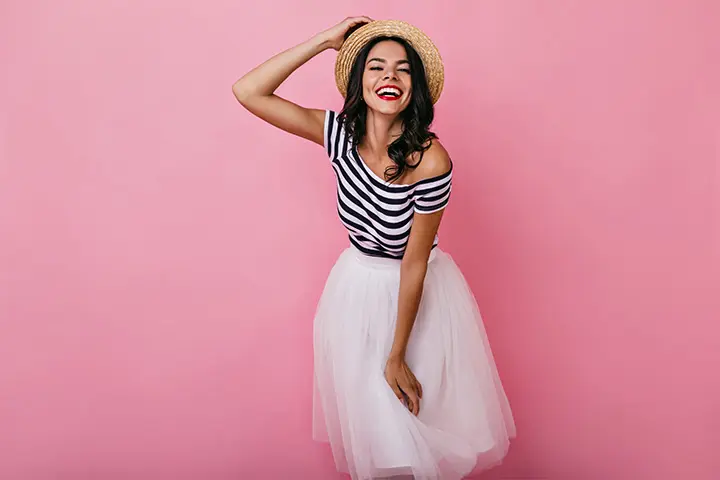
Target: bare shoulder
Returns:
[[435, 161]]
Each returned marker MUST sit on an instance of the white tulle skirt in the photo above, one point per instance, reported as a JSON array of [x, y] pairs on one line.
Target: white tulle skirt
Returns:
[[465, 419]]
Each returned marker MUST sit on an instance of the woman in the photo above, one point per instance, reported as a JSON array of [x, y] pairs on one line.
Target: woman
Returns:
[[405, 382]]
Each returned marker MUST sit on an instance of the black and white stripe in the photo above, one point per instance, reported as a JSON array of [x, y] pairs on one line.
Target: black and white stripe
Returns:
[[377, 214]]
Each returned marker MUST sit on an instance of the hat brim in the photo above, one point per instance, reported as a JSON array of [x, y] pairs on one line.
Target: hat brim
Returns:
[[434, 69]]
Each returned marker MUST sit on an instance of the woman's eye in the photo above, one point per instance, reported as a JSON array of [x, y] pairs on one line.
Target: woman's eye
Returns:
[[400, 69]]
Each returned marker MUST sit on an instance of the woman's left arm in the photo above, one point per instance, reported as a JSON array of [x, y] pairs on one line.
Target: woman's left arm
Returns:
[[412, 277]]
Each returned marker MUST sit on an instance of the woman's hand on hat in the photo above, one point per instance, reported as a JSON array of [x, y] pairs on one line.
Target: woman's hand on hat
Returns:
[[335, 36]]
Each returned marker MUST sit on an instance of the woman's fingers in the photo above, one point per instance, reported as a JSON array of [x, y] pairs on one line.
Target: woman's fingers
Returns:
[[403, 382], [396, 389], [352, 21], [414, 381], [413, 402], [412, 394]]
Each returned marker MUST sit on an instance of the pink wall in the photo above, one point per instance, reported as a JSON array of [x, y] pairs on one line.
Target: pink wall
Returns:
[[162, 251]]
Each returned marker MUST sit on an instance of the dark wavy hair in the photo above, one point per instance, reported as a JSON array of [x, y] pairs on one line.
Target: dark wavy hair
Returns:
[[416, 118]]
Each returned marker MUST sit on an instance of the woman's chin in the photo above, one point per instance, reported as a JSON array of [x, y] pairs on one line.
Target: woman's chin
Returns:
[[386, 108]]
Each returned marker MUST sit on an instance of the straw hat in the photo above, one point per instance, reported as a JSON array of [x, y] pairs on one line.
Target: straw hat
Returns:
[[427, 50]]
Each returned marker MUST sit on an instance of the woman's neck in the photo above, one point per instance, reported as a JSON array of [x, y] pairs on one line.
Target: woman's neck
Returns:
[[380, 131]]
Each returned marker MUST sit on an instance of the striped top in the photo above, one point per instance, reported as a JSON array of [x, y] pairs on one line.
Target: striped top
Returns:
[[378, 214]]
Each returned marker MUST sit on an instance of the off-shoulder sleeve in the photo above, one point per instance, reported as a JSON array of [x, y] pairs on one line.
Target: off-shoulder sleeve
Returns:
[[433, 194]]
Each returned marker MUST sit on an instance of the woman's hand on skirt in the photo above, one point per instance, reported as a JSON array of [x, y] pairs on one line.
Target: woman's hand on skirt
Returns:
[[403, 382]]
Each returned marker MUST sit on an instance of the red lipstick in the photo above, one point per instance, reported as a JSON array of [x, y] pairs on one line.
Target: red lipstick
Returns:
[[389, 98]]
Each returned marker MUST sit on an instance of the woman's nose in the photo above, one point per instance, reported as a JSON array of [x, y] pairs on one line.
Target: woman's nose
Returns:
[[390, 74]]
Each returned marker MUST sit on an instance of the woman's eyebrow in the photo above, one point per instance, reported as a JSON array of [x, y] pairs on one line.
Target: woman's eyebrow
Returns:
[[382, 60]]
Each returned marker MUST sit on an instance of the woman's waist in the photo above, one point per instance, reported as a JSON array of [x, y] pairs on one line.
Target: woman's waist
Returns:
[[379, 260]]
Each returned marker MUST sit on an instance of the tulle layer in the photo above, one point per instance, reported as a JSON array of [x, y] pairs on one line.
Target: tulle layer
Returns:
[[465, 419]]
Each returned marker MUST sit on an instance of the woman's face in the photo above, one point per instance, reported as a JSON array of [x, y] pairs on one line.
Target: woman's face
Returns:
[[386, 81]]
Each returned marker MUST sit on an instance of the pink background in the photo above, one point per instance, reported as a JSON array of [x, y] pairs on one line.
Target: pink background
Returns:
[[162, 250]]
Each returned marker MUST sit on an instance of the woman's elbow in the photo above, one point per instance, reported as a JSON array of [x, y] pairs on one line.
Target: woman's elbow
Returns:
[[240, 91]]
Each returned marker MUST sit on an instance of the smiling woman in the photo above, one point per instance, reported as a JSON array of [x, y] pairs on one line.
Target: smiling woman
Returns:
[[389, 65], [397, 325]]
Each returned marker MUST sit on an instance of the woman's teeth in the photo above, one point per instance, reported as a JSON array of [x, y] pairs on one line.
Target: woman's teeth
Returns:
[[389, 93]]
